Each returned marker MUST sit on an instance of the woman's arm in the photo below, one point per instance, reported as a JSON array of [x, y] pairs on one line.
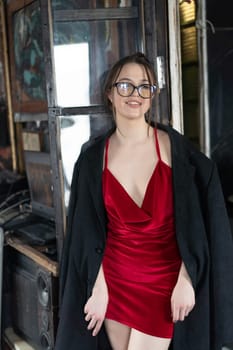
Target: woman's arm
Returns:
[[96, 305], [183, 296]]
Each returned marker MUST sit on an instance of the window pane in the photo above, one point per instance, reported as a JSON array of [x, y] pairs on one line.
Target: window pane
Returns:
[[84, 4], [28, 54], [84, 51], [75, 130]]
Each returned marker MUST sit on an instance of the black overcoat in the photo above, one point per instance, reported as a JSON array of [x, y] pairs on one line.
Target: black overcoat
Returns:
[[203, 235]]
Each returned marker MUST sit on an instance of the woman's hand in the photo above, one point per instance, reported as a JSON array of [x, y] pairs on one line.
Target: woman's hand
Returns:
[[183, 296], [96, 306]]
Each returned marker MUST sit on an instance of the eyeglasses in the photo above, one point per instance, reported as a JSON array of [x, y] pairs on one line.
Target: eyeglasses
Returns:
[[126, 89]]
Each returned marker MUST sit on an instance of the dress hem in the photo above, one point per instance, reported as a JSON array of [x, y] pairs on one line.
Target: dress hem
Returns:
[[138, 328]]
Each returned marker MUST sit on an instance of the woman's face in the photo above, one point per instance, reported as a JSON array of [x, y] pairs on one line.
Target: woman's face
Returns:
[[134, 106]]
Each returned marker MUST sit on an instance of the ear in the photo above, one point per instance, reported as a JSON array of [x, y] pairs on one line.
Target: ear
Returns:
[[110, 97]]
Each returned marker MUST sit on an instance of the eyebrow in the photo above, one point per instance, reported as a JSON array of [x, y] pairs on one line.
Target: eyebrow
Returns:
[[130, 80]]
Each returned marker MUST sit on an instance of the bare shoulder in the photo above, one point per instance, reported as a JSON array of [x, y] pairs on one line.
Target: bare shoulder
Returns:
[[165, 146]]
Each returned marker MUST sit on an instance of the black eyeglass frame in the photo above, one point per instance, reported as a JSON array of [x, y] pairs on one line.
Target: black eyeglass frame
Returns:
[[152, 89]]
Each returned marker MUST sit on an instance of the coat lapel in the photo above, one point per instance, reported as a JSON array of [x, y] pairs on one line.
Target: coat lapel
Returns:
[[94, 174], [184, 200], [182, 170], [183, 175]]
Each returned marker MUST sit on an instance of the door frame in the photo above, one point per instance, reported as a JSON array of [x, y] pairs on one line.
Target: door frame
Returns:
[[175, 67], [157, 41]]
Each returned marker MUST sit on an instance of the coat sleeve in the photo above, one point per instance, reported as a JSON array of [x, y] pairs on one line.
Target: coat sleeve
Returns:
[[221, 262], [79, 260], [71, 211], [210, 324]]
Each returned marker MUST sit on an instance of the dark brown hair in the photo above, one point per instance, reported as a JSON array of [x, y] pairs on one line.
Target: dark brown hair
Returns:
[[114, 72]]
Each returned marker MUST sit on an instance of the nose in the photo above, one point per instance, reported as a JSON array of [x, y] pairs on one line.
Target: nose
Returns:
[[135, 92]]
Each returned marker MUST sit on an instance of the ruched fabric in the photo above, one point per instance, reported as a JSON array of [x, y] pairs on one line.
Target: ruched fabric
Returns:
[[141, 261]]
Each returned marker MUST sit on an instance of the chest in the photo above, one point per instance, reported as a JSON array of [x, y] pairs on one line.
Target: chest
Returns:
[[133, 172]]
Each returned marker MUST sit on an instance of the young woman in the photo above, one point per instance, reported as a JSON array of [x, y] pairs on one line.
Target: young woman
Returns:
[[145, 247]]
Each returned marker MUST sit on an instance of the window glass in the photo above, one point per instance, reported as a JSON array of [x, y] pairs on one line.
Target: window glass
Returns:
[[28, 54], [83, 52], [80, 128], [91, 4]]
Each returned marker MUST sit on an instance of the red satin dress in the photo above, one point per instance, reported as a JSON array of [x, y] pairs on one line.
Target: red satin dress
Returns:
[[141, 261]]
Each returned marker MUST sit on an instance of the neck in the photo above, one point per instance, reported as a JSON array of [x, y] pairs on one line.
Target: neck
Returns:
[[133, 131]]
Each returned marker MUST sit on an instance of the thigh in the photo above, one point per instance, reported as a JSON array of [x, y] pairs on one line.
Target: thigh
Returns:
[[142, 341], [118, 334]]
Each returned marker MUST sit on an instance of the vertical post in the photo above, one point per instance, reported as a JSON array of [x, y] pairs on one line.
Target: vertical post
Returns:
[[175, 65], [1, 277], [8, 88], [203, 78], [54, 128]]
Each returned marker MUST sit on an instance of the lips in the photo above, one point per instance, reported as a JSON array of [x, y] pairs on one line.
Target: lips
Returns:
[[133, 103]]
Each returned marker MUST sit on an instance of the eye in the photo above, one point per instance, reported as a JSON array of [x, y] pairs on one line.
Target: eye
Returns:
[[146, 87], [125, 85]]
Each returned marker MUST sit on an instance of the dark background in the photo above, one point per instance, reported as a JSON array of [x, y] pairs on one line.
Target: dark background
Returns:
[[220, 72]]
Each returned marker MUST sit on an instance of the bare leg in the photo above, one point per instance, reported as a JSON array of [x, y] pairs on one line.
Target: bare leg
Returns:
[[142, 341], [118, 334]]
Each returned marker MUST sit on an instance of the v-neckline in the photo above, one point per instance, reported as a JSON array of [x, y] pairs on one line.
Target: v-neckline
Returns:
[[150, 179], [146, 190]]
